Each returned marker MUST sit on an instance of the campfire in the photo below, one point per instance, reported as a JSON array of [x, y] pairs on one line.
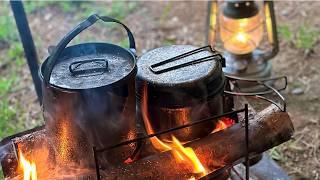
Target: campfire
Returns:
[[173, 114], [202, 158], [28, 168]]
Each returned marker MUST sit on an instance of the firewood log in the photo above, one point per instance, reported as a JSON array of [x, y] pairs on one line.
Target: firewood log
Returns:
[[268, 129]]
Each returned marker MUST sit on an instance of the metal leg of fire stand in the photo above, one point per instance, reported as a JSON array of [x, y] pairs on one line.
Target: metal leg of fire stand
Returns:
[[246, 112], [96, 161], [28, 44]]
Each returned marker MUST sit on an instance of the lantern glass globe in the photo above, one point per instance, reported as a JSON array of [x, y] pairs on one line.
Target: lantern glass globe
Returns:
[[242, 35]]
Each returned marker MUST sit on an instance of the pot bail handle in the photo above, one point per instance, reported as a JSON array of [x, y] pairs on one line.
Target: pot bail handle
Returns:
[[73, 33]]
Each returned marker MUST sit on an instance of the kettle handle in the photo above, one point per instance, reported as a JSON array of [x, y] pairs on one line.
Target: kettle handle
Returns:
[[73, 33]]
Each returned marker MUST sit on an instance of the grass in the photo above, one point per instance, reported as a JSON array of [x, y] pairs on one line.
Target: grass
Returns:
[[304, 38], [82, 9], [65, 6], [117, 9], [10, 122], [16, 54], [276, 154], [6, 84], [124, 43], [167, 42], [286, 33], [7, 114], [8, 31], [165, 12]]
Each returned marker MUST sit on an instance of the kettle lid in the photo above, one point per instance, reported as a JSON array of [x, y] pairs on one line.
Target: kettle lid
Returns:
[[92, 65]]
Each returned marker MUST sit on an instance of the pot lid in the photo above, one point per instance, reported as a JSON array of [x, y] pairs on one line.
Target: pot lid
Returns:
[[180, 76], [183, 71], [92, 65]]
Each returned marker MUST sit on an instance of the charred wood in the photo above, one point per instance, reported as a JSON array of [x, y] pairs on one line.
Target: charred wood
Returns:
[[269, 128]]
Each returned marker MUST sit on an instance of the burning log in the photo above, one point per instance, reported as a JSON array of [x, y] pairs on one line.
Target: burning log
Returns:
[[31, 143], [269, 128]]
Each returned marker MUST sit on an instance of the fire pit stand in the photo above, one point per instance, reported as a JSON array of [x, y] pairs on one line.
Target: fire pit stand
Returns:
[[244, 110], [244, 113]]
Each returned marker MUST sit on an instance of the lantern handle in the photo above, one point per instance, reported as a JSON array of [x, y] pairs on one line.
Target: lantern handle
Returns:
[[57, 51], [271, 30]]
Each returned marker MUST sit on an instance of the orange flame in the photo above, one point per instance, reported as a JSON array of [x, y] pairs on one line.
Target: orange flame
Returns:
[[181, 154], [29, 168], [187, 155], [223, 123]]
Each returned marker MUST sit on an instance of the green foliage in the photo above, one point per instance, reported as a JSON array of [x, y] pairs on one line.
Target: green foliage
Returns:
[[8, 31], [7, 26], [7, 113], [9, 35], [124, 42], [117, 9], [168, 42], [276, 154], [165, 12], [16, 53], [120, 9], [65, 6], [32, 6], [285, 32], [6, 84], [306, 37]]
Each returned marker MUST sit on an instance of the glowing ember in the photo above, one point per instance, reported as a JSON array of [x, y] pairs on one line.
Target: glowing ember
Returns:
[[223, 123], [29, 168], [64, 141]]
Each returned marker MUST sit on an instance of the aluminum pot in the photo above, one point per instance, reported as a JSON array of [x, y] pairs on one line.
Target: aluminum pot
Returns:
[[178, 85], [89, 97]]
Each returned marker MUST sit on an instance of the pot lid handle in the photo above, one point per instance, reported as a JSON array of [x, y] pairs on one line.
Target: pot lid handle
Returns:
[[73, 33], [214, 57]]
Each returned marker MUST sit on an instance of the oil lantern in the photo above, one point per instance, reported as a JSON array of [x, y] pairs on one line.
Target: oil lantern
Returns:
[[245, 31]]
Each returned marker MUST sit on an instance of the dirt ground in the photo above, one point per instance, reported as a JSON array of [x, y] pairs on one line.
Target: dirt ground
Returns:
[[158, 23]]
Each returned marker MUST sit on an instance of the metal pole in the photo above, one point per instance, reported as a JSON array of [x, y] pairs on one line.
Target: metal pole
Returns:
[[28, 44], [96, 161], [246, 112]]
